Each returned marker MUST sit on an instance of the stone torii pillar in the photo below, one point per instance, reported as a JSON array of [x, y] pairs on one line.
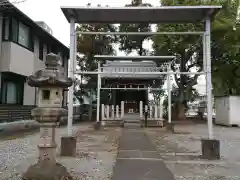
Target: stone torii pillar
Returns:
[[50, 83]]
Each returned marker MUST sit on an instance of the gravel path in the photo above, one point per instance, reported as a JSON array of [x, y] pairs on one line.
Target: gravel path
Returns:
[[181, 151], [96, 152]]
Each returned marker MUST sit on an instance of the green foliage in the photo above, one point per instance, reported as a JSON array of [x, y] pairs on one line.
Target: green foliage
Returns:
[[183, 47], [188, 49], [226, 50], [165, 107], [130, 43], [89, 46]]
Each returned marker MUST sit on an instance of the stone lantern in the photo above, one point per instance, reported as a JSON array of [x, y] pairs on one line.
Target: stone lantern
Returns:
[[50, 83]]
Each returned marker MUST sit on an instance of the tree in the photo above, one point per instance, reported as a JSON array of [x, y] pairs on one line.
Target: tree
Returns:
[[131, 43], [226, 50], [134, 43], [183, 48], [188, 49], [89, 46]]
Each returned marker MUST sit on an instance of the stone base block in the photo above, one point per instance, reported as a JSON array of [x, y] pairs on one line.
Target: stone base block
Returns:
[[152, 123], [68, 146], [170, 127], [46, 171], [97, 126], [112, 123], [210, 149]]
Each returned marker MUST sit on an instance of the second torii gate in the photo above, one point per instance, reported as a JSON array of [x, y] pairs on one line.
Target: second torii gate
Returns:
[[157, 117]]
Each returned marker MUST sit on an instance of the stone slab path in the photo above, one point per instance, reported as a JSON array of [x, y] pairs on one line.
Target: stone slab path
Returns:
[[138, 158]]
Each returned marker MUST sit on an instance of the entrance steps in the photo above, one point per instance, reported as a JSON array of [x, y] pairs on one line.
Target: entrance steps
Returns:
[[131, 124], [131, 117], [132, 120]]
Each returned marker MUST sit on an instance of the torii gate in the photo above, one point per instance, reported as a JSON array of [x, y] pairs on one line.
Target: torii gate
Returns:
[[133, 58], [157, 15]]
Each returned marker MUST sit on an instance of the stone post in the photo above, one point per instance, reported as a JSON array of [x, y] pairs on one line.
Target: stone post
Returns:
[[50, 82], [141, 109], [103, 112], [151, 112], [117, 112], [122, 109], [108, 113], [155, 112], [112, 113], [146, 116]]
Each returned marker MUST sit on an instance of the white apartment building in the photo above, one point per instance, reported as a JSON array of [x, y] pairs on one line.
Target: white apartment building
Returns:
[[24, 45]]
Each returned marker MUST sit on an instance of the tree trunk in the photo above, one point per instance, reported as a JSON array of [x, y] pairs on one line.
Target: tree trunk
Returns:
[[141, 51], [181, 111], [174, 113], [180, 105]]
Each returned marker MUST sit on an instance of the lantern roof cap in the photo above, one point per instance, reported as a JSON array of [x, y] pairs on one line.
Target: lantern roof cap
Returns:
[[51, 76]]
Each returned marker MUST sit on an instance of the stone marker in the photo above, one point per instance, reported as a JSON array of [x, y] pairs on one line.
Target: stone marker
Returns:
[[210, 149], [169, 127], [97, 125], [50, 83]]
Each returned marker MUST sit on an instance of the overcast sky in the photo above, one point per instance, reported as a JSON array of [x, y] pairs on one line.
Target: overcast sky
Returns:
[[49, 11]]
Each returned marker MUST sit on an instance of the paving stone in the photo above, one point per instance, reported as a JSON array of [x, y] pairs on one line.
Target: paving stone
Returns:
[[138, 158], [141, 170]]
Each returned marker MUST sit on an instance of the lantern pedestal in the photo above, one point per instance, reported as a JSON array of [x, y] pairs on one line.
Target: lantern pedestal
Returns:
[[46, 168], [47, 171]]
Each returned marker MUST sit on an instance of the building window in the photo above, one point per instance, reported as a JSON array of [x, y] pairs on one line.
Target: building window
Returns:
[[48, 49], [9, 93], [6, 28], [23, 35], [12, 87], [40, 50], [17, 32], [14, 31]]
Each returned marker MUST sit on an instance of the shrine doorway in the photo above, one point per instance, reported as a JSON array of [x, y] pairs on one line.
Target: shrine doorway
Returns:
[[131, 107], [131, 99]]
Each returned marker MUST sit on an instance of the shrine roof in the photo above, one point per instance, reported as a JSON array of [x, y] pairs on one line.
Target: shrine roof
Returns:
[[129, 64], [134, 58]]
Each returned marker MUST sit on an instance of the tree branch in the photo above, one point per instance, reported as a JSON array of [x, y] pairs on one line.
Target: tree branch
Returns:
[[191, 66], [193, 81], [177, 80]]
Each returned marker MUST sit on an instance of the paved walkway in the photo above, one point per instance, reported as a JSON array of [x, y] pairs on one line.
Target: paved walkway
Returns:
[[138, 158]]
